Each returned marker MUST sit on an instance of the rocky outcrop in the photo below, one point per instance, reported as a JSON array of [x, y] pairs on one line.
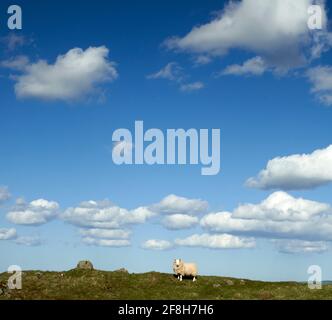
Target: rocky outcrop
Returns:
[[85, 264]]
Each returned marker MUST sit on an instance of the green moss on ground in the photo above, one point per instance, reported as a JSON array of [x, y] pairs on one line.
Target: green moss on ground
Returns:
[[95, 284]]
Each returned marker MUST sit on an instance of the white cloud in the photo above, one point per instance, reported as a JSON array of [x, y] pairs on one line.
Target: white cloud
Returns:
[[172, 71], [4, 194], [173, 204], [276, 30], [7, 234], [74, 75], [154, 244], [299, 171], [34, 213], [17, 63], [300, 246], [179, 221], [104, 214], [216, 241], [106, 233], [281, 206], [321, 80], [278, 216], [194, 86], [202, 60], [30, 241], [106, 242], [255, 66]]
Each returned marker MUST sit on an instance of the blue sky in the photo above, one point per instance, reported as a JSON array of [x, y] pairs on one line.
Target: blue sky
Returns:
[[57, 139]]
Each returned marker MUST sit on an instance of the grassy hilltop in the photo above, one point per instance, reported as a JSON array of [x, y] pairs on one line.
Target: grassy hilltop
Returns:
[[95, 284]]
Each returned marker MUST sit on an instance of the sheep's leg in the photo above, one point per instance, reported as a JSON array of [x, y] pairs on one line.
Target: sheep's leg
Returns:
[[180, 277], [194, 278]]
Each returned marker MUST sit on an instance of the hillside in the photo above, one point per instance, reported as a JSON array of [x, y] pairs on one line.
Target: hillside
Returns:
[[95, 284]]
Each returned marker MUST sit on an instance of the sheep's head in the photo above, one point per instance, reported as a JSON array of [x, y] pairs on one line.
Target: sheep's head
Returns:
[[177, 264]]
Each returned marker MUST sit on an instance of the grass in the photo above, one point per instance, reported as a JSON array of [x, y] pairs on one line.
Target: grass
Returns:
[[96, 284]]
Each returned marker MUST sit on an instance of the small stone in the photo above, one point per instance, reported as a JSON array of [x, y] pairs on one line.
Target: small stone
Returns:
[[216, 285], [229, 282], [122, 270]]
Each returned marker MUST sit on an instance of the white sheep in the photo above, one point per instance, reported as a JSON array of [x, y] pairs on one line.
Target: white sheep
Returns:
[[182, 269]]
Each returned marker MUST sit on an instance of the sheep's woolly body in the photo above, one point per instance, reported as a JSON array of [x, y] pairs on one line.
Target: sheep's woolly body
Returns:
[[182, 269]]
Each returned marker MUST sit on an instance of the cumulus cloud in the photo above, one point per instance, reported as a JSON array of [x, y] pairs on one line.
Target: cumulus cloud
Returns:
[[173, 204], [281, 206], [255, 66], [275, 30], [106, 237], [321, 80], [36, 212], [106, 242], [299, 171], [154, 244], [179, 221], [105, 215], [74, 75], [31, 241], [278, 216], [216, 241], [4, 194], [299, 246], [194, 86], [8, 234], [106, 233]]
